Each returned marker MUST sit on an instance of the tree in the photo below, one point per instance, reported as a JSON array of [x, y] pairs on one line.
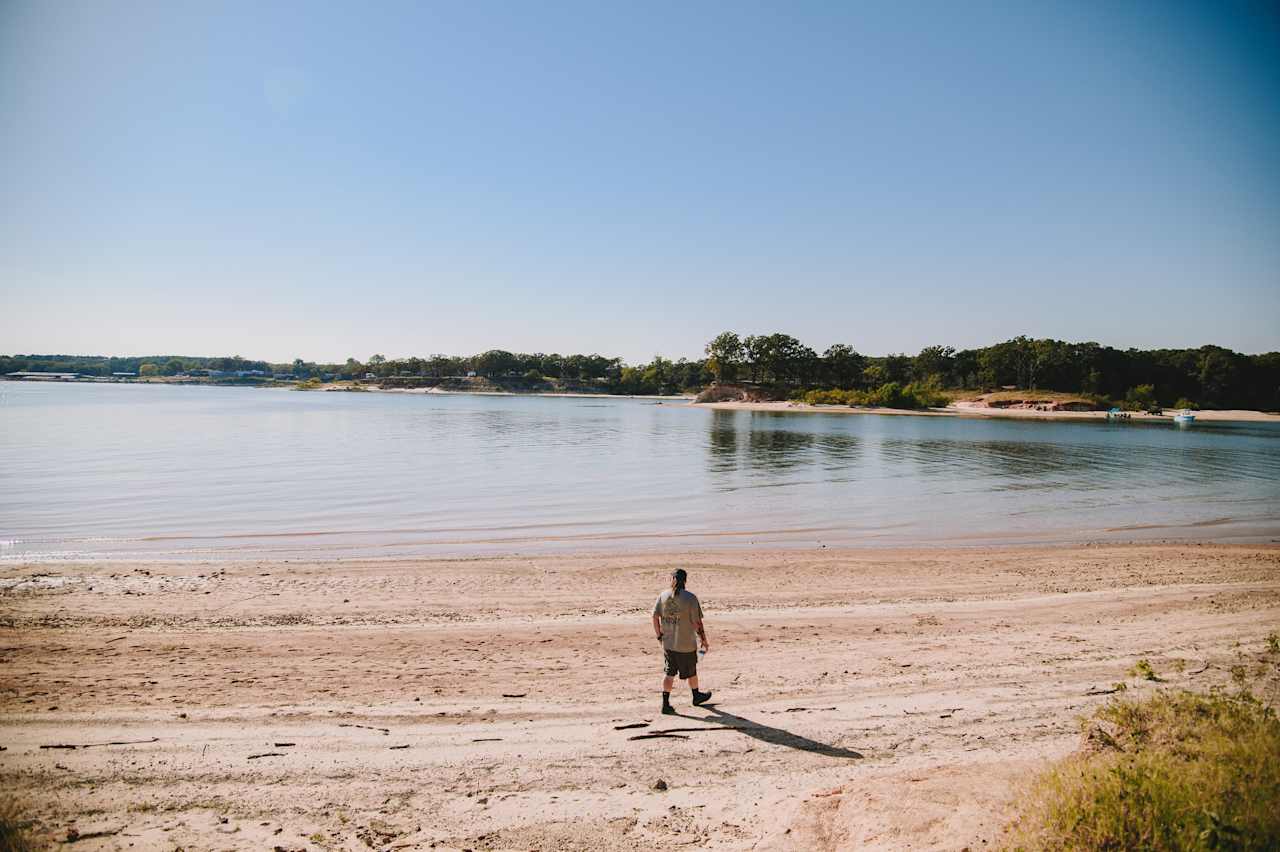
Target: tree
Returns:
[[724, 356], [495, 362], [779, 358], [657, 376], [842, 366], [1218, 373], [933, 361], [753, 350], [897, 368], [173, 367], [148, 370]]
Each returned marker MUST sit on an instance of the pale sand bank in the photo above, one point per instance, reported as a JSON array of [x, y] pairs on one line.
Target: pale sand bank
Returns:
[[958, 410], [881, 698]]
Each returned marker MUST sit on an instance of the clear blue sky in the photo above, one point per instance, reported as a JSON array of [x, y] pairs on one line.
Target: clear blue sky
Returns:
[[333, 179]]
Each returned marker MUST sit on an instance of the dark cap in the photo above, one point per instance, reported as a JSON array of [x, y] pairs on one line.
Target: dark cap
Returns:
[[680, 574]]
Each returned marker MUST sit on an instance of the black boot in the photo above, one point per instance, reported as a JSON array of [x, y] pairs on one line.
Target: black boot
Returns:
[[667, 709], [700, 698]]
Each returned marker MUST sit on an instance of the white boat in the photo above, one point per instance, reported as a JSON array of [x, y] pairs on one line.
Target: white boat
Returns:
[[1184, 416]]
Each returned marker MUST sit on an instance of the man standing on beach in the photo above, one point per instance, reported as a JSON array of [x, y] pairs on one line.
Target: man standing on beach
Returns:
[[677, 617]]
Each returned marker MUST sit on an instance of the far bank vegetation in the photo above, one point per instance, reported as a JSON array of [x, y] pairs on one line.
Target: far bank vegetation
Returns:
[[1021, 371]]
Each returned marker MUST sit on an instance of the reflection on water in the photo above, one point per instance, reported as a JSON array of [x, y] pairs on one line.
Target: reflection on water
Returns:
[[123, 470], [992, 479], [765, 451]]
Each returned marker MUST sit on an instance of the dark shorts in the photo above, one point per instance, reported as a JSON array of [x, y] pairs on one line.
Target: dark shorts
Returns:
[[685, 663]]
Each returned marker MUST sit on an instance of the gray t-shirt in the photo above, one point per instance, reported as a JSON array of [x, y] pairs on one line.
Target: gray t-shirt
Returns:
[[679, 613]]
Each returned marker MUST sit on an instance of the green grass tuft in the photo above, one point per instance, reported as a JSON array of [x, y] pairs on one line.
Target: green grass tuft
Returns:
[[1143, 669], [13, 833], [1172, 771]]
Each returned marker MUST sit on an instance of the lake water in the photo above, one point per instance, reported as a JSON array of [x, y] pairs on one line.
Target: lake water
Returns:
[[138, 471]]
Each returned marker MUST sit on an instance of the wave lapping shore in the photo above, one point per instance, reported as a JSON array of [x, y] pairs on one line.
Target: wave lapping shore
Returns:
[[863, 698]]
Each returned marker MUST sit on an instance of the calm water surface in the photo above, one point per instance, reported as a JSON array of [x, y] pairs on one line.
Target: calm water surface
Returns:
[[127, 471]]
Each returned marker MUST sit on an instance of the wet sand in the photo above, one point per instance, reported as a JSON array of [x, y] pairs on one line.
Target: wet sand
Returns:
[[864, 698]]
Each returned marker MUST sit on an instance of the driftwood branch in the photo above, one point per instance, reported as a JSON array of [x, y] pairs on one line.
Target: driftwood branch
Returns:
[[71, 747], [679, 733]]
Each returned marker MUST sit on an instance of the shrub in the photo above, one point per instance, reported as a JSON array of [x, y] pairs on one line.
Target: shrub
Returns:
[[889, 395], [309, 384], [1172, 771], [1141, 398], [927, 394], [1183, 402], [831, 397]]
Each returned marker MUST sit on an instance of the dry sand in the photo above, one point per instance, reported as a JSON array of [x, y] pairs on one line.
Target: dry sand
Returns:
[[865, 698]]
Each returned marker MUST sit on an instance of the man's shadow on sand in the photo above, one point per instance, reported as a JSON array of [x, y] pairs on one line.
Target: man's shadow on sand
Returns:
[[775, 736]]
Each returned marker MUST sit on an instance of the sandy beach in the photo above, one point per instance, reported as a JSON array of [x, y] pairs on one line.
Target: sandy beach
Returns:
[[864, 698], [961, 410]]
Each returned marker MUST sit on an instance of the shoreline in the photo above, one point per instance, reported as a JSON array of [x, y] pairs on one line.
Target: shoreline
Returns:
[[785, 406], [954, 410], [866, 698]]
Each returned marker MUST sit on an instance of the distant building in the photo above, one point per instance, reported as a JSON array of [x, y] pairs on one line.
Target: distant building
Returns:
[[34, 376], [471, 374], [124, 374]]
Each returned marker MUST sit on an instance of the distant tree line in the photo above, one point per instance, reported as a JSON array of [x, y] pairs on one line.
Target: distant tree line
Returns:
[[585, 372], [100, 365], [1208, 376]]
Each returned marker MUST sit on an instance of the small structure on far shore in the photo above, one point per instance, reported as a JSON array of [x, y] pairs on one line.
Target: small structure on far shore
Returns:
[[35, 376]]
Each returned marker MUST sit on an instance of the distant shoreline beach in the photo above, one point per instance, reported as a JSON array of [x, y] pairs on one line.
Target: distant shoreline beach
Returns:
[[960, 410]]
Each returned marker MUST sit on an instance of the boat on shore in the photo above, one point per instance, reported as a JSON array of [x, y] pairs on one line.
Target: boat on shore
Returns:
[[1184, 417]]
